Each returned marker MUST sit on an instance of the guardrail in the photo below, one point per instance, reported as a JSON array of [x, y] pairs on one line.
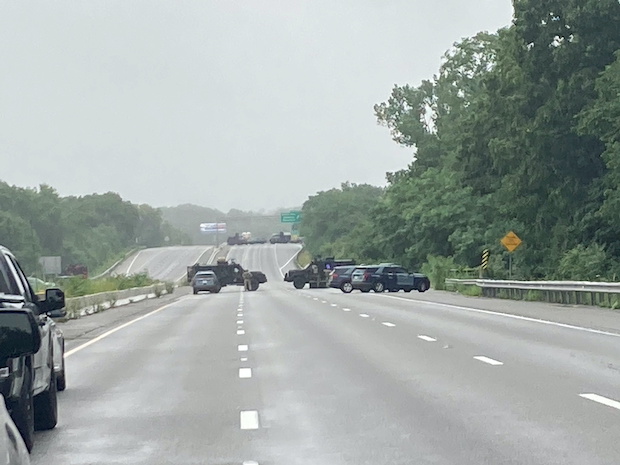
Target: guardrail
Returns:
[[564, 292], [78, 307]]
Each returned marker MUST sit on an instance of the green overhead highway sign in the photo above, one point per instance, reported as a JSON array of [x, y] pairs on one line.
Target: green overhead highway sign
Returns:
[[290, 217]]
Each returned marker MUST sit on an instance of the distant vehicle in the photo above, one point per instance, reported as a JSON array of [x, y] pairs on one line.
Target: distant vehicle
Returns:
[[340, 278], [228, 273], [240, 239], [388, 277], [32, 361], [280, 238], [316, 273], [259, 240], [77, 270], [14, 451], [206, 281]]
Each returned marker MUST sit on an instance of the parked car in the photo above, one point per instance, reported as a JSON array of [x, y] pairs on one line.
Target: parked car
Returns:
[[340, 278], [14, 451], [28, 374], [206, 281], [388, 277]]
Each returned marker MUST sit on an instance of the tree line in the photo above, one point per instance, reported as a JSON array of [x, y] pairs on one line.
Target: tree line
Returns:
[[92, 230], [518, 131]]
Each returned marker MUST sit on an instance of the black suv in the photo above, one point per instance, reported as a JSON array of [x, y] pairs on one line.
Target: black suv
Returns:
[[388, 277], [340, 278]]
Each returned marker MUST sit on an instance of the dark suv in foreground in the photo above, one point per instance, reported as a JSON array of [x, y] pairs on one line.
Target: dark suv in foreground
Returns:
[[388, 277], [29, 363], [340, 278]]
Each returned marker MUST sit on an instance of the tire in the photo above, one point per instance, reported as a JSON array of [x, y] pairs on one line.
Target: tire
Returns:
[[379, 287], [216, 290], [195, 291], [46, 407], [422, 287], [61, 377], [23, 411], [346, 287], [299, 284]]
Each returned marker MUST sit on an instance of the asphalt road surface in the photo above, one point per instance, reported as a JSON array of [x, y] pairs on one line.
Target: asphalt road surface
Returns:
[[284, 376], [164, 263]]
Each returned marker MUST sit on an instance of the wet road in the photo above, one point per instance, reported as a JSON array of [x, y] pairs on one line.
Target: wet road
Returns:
[[286, 377], [164, 263]]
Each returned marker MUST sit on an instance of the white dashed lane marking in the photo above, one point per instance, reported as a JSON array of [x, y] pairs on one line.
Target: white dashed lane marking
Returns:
[[334, 305], [245, 373], [388, 324], [242, 348], [364, 315], [426, 338], [240, 332], [248, 419], [602, 400], [488, 360], [239, 322], [244, 359], [346, 309]]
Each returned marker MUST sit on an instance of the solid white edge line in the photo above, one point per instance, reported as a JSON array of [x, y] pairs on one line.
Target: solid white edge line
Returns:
[[289, 261], [508, 315], [245, 373], [242, 347], [248, 419], [388, 324], [602, 400], [118, 328], [490, 361], [132, 262], [427, 338]]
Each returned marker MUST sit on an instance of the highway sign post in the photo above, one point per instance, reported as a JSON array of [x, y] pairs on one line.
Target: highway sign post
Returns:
[[511, 241], [290, 217]]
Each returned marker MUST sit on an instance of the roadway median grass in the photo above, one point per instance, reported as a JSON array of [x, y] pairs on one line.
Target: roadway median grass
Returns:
[[78, 286]]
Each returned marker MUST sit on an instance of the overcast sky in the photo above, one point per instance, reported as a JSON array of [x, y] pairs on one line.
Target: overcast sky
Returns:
[[228, 104]]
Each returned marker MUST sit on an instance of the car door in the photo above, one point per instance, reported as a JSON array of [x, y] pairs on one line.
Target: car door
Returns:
[[403, 278], [43, 363]]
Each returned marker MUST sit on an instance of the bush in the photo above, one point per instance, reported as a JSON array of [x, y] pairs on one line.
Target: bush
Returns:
[[470, 290], [584, 263], [437, 269]]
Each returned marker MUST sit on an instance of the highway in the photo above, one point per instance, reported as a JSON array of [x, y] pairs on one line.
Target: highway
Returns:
[[164, 263], [285, 377]]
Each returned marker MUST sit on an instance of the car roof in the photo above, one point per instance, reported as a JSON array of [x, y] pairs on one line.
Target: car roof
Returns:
[[205, 272]]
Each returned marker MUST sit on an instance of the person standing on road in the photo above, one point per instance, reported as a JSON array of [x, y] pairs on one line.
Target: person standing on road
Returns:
[[247, 280]]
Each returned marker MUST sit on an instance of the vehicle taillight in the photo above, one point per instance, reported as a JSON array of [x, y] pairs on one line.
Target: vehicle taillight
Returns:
[[367, 276], [334, 274]]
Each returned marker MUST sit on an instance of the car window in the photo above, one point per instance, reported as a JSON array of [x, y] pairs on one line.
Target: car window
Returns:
[[22, 281], [399, 270], [7, 282]]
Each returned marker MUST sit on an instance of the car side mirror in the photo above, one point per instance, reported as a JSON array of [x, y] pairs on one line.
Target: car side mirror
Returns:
[[19, 333], [58, 313], [54, 299]]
